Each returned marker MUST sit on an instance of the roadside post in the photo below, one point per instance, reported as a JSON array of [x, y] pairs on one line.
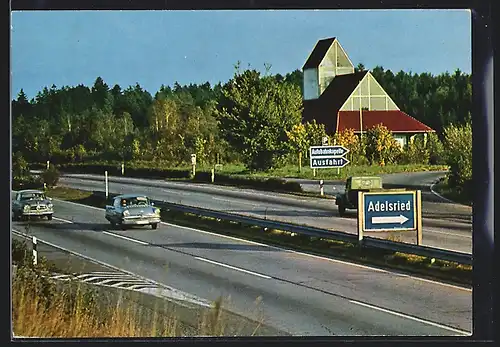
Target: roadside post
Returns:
[[35, 253], [390, 211], [321, 191], [106, 183], [419, 217], [213, 175], [193, 163], [48, 164], [360, 219], [123, 169]]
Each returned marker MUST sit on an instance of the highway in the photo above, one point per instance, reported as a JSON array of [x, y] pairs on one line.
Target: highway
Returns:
[[300, 294], [445, 225]]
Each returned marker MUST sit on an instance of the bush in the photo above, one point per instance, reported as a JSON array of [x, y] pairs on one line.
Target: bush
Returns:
[[415, 152], [19, 165], [27, 182], [436, 150], [458, 143], [51, 176], [381, 147]]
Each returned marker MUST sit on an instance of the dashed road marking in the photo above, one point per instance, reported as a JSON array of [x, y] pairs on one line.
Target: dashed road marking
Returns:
[[441, 326], [62, 220], [298, 252], [236, 201], [233, 268], [125, 238]]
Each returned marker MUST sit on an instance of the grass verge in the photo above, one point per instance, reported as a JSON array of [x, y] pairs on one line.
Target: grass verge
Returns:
[[453, 194], [431, 268], [43, 307], [237, 175]]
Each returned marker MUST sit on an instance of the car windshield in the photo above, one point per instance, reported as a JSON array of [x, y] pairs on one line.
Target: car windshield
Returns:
[[135, 201], [34, 196]]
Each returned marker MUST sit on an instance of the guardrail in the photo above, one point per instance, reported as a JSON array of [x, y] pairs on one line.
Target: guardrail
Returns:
[[431, 252]]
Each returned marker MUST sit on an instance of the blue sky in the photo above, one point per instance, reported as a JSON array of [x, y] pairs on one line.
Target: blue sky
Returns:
[[162, 47]]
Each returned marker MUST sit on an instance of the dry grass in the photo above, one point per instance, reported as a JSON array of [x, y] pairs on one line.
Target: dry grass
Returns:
[[40, 310], [48, 309]]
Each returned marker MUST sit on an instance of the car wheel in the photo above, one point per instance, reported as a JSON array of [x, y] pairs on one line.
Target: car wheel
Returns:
[[341, 210], [49, 217], [154, 225]]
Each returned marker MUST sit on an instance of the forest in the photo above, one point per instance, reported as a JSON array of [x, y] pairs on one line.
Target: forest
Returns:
[[253, 119]]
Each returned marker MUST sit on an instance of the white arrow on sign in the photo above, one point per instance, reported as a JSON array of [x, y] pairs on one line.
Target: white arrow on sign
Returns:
[[389, 219]]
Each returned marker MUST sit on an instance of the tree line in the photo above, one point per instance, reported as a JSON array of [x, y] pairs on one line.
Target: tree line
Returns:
[[254, 118]]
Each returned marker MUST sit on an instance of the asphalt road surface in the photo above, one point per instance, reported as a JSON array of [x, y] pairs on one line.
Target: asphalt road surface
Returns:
[[124, 287], [299, 294], [445, 225]]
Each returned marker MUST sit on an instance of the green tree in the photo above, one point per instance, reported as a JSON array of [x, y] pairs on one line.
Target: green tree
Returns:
[[314, 133], [458, 144], [254, 114], [351, 141], [297, 138], [381, 147]]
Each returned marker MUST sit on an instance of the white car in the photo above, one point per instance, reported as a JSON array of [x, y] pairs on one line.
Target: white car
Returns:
[[32, 203], [132, 209]]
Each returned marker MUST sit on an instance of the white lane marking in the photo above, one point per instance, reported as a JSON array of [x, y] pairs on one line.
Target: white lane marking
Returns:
[[59, 276], [179, 193], [439, 195], [108, 233], [233, 267], [219, 235], [62, 220], [125, 238], [445, 233], [236, 201], [178, 293], [303, 254], [320, 257], [463, 332], [77, 204]]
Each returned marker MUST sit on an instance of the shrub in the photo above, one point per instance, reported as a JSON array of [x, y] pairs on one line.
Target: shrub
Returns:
[[27, 182], [415, 152], [356, 148], [381, 147], [19, 165], [458, 143], [51, 176], [436, 150]]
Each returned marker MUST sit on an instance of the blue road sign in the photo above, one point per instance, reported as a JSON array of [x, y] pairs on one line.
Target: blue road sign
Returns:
[[386, 211], [328, 162]]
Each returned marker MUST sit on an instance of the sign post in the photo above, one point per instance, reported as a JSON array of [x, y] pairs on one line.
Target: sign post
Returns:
[[390, 211], [106, 182]]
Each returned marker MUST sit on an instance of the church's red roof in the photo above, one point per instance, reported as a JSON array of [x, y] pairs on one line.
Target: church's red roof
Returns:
[[396, 121]]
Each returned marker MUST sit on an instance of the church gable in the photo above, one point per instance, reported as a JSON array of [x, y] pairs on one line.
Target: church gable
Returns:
[[369, 95], [335, 63], [327, 60]]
